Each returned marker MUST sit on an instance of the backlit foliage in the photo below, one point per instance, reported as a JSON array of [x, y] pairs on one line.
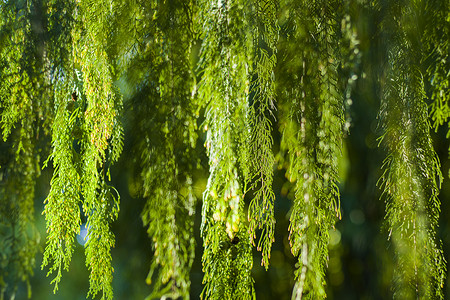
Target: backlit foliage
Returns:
[[212, 80], [101, 144], [261, 209], [412, 175], [86, 140], [23, 102], [312, 127], [435, 40], [165, 119], [225, 68]]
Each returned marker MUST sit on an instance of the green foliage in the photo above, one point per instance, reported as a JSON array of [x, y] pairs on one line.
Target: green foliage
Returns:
[[164, 115], [19, 237], [23, 104], [412, 175], [262, 63], [86, 139], [224, 89], [261, 209], [411, 183], [99, 124], [62, 204], [312, 127], [24, 90], [435, 40]]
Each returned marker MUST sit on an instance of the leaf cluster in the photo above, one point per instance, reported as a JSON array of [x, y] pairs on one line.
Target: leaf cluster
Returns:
[[412, 176], [311, 105]]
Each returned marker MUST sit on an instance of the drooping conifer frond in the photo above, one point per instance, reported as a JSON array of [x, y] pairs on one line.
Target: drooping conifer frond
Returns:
[[19, 238], [86, 140], [411, 184], [102, 143], [65, 190], [435, 41], [261, 117], [225, 63], [166, 116], [312, 119], [21, 66], [412, 176], [23, 103]]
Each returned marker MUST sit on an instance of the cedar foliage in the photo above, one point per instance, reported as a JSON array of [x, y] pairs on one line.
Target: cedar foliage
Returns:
[[312, 128], [72, 71], [165, 115], [224, 90], [412, 175]]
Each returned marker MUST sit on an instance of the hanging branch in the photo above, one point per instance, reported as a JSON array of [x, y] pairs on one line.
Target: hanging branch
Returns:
[[261, 116], [412, 176], [227, 257], [102, 139], [312, 125], [19, 235], [22, 78], [411, 184], [435, 41], [165, 116], [65, 191], [23, 102]]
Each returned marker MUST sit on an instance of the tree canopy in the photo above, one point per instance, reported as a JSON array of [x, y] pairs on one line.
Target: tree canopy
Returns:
[[233, 106]]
